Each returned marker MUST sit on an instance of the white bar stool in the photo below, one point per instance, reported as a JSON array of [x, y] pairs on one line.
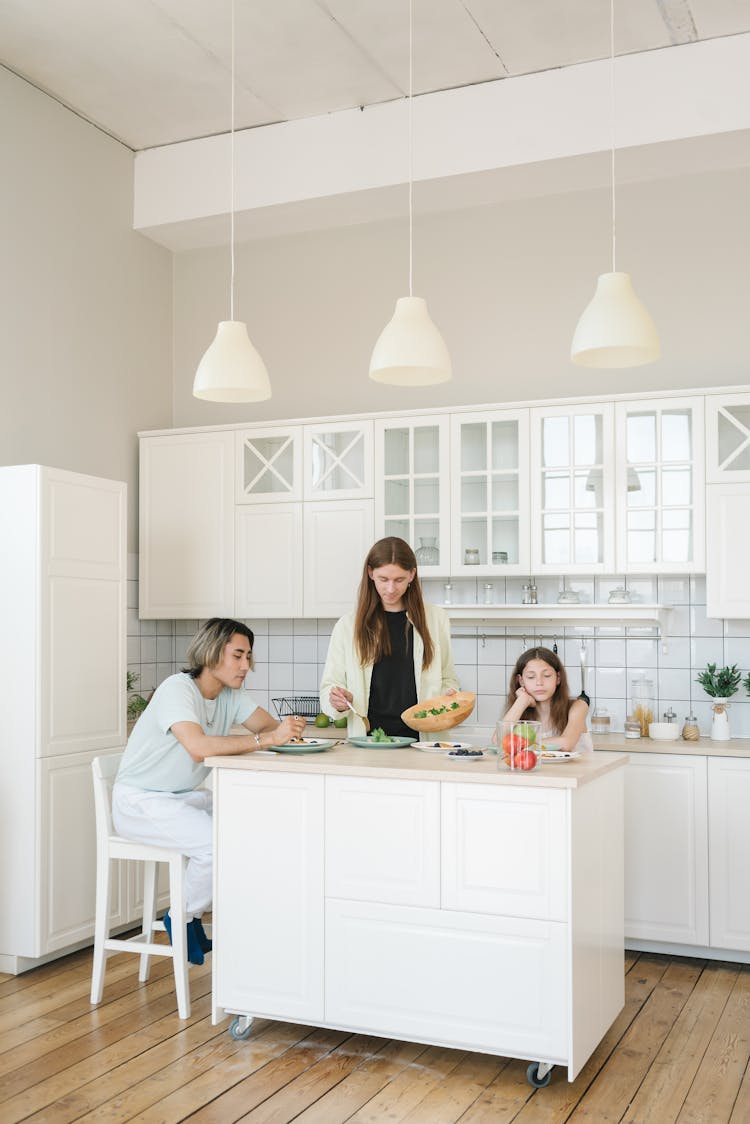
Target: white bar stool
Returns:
[[110, 846]]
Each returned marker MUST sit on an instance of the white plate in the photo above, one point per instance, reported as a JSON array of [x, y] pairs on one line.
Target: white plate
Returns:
[[552, 756], [441, 746]]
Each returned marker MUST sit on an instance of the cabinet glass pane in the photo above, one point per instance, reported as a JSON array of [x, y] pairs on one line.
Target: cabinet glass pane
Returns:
[[645, 494], [397, 527], [587, 488], [676, 486], [587, 537], [426, 449], [677, 536], [473, 447], [641, 438], [474, 537], [556, 490], [396, 497], [426, 529], [555, 441], [505, 493], [587, 430], [641, 532], [426, 497], [675, 436], [474, 495], [733, 433], [556, 538], [505, 538], [338, 461], [396, 452], [268, 465], [505, 444]]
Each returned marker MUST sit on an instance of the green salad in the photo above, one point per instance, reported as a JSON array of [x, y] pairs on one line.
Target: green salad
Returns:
[[436, 710], [379, 735]]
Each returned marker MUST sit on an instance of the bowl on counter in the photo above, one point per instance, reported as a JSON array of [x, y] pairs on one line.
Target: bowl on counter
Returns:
[[663, 731]]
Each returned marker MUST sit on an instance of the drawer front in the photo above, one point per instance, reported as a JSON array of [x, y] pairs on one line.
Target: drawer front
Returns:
[[505, 851], [485, 983], [383, 840]]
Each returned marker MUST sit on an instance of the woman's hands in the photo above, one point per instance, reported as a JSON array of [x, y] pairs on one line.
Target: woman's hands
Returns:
[[340, 699]]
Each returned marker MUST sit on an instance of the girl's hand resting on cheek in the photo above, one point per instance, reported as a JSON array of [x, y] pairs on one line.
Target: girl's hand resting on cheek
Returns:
[[523, 696]]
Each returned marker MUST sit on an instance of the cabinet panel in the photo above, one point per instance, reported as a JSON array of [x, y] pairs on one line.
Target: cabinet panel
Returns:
[[727, 438], [187, 526], [269, 560], [338, 460], [727, 547], [269, 464], [502, 850], [338, 535], [365, 863], [729, 849], [666, 849], [271, 931], [491, 983]]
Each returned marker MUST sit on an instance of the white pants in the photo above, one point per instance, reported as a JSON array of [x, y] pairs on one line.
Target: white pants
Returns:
[[172, 819]]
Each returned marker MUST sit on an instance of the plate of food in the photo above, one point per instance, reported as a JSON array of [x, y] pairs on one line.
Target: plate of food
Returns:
[[549, 754], [303, 745], [465, 754], [440, 747], [378, 739]]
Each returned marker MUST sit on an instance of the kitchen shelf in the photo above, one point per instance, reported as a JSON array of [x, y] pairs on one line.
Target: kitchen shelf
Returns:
[[536, 616]]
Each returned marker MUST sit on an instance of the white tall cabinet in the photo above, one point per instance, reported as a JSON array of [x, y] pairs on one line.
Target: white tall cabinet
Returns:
[[62, 664]]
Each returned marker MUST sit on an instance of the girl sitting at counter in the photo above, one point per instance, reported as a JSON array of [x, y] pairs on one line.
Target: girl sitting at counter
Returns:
[[538, 692]]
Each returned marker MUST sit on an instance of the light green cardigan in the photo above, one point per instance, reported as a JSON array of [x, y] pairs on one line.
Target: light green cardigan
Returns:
[[343, 668]]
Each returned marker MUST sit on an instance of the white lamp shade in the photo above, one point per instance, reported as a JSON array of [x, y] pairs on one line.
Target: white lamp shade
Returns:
[[615, 329], [410, 350], [231, 370]]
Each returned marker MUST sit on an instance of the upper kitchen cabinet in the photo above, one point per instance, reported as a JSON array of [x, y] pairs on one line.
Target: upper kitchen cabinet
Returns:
[[338, 460], [727, 438], [572, 488], [186, 557], [412, 492], [660, 501], [490, 493], [269, 464]]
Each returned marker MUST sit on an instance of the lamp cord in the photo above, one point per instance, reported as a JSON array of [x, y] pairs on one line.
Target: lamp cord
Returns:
[[612, 126], [411, 144], [231, 184]]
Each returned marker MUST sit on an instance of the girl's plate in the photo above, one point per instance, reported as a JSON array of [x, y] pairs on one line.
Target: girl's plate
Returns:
[[451, 753], [306, 745], [370, 743], [440, 747], [549, 756]]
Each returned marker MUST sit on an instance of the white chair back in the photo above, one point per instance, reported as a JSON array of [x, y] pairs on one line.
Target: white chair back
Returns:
[[104, 770]]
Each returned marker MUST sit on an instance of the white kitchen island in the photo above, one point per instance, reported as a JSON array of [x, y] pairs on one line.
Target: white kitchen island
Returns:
[[400, 893]]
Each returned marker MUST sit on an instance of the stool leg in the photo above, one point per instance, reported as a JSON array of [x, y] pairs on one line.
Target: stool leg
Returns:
[[149, 914], [179, 934], [101, 926]]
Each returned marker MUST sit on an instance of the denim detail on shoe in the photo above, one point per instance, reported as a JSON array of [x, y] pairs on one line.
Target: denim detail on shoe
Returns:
[[205, 942], [194, 950]]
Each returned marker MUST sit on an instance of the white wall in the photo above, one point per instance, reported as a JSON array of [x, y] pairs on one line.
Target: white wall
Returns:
[[505, 283], [85, 302]]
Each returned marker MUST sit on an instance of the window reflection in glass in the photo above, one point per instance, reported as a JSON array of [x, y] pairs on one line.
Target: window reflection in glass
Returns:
[[555, 441], [675, 436], [641, 438]]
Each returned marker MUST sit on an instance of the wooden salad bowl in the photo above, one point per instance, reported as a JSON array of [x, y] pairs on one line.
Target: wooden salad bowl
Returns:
[[420, 716]]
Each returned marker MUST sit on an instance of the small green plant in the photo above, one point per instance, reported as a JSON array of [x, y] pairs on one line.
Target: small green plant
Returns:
[[721, 684], [136, 703]]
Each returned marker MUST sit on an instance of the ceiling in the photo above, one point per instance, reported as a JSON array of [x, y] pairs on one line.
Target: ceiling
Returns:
[[156, 72]]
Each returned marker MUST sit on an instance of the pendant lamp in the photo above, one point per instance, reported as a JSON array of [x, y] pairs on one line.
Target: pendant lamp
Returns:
[[615, 329], [410, 350], [231, 370]]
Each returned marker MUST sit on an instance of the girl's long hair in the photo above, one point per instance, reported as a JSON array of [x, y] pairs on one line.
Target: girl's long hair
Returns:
[[371, 636], [560, 701]]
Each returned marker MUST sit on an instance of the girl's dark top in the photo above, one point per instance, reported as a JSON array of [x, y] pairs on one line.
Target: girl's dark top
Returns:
[[393, 687]]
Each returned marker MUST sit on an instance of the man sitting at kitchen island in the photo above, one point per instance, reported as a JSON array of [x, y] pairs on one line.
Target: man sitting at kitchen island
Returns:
[[157, 796]]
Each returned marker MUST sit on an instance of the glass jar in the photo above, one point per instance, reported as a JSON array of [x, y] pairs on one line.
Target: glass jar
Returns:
[[519, 745], [643, 703], [600, 723], [427, 553], [489, 593], [447, 593], [632, 727], [471, 556], [691, 731], [499, 557]]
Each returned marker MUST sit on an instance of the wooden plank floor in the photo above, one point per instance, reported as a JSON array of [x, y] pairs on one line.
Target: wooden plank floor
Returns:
[[678, 1052]]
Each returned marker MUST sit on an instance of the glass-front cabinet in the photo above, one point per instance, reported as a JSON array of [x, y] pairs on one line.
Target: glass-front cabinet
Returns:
[[572, 489], [411, 493], [660, 499], [728, 438], [269, 464], [338, 460], [490, 493]]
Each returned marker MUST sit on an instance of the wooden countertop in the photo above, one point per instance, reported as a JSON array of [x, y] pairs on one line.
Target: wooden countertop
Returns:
[[413, 764]]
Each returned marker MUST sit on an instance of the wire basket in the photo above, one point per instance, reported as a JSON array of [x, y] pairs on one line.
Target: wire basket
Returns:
[[306, 706]]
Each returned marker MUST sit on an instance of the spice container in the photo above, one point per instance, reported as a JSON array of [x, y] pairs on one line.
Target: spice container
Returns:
[[643, 703], [600, 723], [471, 556], [690, 731], [632, 727]]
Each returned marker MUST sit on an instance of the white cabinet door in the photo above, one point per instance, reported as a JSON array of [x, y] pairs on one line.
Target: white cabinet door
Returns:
[[269, 464], [338, 535], [659, 489], [269, 560], [505, 850], [666, 848], [412, 488], [727, 438], [338, 460], [268, 894], [727, 550], [487, 983], [187, 526], [383, 840], [572, 489], [490, 493], [729, 849]]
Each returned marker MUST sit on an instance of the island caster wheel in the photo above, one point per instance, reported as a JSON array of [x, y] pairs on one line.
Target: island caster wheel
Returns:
[[240, 1027], [539, 1075]]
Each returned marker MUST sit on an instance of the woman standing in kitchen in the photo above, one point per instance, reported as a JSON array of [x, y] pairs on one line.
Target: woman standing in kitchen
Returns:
[[538, 692], [391, 651], [156, 797]]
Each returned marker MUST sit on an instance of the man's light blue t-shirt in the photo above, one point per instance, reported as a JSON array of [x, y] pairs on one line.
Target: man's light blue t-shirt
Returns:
[[153, 758]]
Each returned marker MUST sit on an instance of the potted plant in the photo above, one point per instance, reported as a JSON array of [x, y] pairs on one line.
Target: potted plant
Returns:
[[136, 703], [720, 685]]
